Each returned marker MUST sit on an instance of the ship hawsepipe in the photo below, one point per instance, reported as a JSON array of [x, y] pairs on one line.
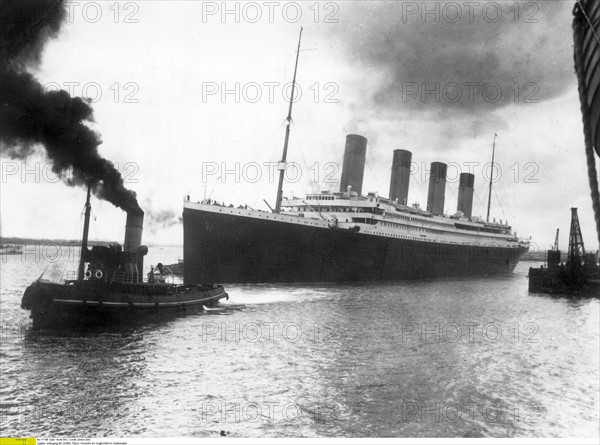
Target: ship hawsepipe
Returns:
[[340, 237]]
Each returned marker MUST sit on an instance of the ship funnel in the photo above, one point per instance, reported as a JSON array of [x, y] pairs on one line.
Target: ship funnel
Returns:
[[133, 231], [132, 246], [353, 168], [465, 194], [437, 188], [400, 176]]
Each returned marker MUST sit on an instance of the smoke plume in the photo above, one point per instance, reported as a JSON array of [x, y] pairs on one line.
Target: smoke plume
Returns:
[[158, 220], [30, 117]]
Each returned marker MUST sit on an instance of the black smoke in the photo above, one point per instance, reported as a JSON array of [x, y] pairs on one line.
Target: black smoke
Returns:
[[31, 117]]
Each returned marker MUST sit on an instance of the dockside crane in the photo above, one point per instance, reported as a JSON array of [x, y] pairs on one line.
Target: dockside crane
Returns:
[[580, 274], [576, 249]]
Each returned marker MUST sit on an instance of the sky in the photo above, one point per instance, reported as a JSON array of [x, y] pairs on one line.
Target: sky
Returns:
[[191, 98]]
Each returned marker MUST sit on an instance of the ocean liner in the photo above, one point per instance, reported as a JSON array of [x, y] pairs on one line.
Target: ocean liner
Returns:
[[346, 236]]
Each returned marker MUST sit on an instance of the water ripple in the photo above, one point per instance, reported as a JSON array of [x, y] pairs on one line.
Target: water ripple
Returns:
[[435, 358]]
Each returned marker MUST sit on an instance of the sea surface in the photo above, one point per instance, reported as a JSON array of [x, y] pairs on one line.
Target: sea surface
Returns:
[[474, 357]]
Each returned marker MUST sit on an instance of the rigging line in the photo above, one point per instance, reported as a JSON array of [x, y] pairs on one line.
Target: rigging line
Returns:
[[373, 175], [421, 186], [499, 203], [369, 165], [255, 155], [296, 137], [93, 235], [60, 270], [321, 172], [268, 141], [339, 164], [238, 197], [454, 194], [367, 161], [74, 229], [585, 111], [57, 270], [213, 189], [481, 202], [588, 20]]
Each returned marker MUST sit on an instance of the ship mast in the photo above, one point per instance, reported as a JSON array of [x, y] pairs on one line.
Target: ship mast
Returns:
[[487, 219], [287, 135], [86, 230]]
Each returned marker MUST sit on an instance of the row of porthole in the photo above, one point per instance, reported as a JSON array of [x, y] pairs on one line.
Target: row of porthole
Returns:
[[419, 239], [429, 240], [490, 238]]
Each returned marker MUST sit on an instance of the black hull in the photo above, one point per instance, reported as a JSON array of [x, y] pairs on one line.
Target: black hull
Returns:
[[226, 248], [545, 281], [86, 317], [85, 304]]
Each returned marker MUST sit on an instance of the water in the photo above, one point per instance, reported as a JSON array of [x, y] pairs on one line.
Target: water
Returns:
[[436, 358]]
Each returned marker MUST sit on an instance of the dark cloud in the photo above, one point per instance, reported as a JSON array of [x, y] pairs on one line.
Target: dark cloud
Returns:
[[427, 64]]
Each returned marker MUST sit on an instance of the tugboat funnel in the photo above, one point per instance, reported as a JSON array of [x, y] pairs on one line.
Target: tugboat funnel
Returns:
[[133, 231], [133, 244]]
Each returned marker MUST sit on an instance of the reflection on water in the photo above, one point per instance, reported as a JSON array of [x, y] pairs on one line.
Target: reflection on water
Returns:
[[436, 358]]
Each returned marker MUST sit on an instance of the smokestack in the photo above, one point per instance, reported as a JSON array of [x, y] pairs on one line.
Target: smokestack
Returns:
[[400, 176], [133, 251], [133, 231], [353, 168], [465, 194], [437, 188]]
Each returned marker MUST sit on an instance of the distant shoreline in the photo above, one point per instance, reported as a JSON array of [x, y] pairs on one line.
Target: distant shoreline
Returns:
[[65, 242]]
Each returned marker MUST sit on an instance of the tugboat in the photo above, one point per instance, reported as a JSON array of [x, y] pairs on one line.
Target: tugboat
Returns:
[[110, 286], [579, 276]]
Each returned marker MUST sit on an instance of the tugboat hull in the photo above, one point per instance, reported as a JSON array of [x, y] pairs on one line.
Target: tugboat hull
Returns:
[[85, 303]]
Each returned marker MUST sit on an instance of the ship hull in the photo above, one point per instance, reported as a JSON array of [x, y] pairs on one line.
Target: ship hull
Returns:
[[223, 247], [86, 303]]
